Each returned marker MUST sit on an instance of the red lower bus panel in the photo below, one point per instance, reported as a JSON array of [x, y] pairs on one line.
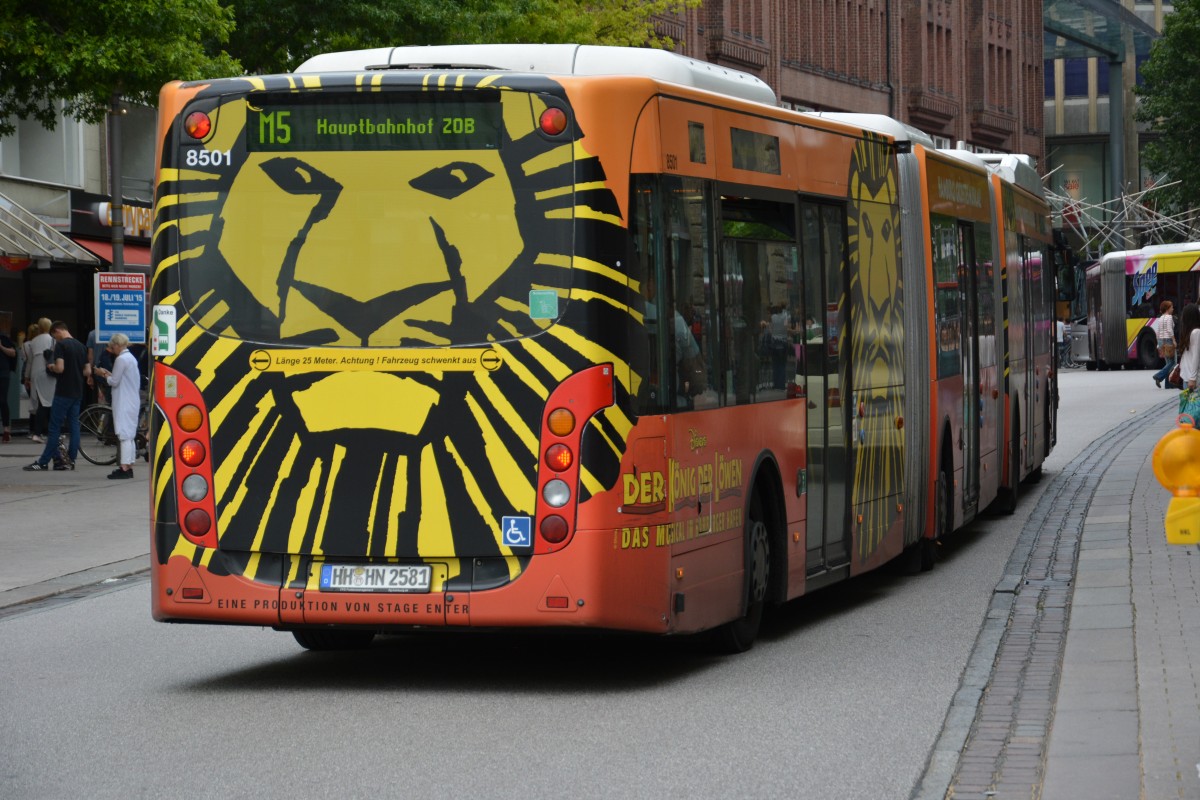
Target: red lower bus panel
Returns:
[[226, 598], [590, 584]]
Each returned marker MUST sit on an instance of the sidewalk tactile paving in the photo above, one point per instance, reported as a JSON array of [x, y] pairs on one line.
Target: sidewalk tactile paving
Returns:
[[1092, 686]]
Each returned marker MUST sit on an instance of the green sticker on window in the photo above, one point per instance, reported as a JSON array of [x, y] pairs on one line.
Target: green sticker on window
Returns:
[[543, 304]]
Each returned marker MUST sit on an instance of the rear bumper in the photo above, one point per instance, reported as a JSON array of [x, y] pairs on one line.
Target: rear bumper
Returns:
[[593, 583]]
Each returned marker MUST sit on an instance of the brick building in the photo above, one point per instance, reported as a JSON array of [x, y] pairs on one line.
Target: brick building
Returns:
[[961, 71]]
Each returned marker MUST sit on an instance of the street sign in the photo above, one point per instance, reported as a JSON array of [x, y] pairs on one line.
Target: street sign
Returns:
[[121, 306]]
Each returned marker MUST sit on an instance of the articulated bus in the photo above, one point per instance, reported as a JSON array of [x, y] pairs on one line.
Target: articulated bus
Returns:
[[572, 337], [1124, 291]]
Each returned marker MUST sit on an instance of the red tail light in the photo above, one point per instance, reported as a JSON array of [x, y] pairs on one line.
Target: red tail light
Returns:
[[554, 529], [197, 124], [553, 121], [197, 522]]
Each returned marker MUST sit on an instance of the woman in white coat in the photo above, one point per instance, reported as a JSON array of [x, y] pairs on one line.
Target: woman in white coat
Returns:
[[38, 382], [126, 385]]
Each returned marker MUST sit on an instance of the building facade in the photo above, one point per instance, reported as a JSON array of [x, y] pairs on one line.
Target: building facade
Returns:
[[52, 236], [969, 73], [1080, 118]]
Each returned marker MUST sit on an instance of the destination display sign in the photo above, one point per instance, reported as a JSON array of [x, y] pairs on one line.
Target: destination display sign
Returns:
[[306, 123]]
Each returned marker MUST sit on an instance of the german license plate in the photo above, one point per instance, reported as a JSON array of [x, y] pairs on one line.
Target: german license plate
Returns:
[[375, 577]]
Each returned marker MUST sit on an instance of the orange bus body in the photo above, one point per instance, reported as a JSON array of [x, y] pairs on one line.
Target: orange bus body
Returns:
[[564, 350]]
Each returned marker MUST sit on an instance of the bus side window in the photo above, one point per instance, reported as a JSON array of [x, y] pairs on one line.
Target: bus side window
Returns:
[[761, 290], [646, 355], [689, 272]]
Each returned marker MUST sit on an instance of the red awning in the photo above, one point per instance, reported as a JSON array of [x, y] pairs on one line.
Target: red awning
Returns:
[[135, 254]]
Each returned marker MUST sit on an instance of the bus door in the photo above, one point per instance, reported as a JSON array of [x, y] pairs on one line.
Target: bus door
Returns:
[[826, 370], [968, 288]]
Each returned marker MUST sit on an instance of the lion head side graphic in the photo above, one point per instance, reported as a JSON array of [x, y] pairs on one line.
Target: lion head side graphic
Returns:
[[877, 298]]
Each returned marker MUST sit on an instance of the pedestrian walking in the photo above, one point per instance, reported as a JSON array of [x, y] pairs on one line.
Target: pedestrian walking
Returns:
[[1064, 344], [71, 371], [39, 383], [1189, 345], [126, 384], [1164, 329]]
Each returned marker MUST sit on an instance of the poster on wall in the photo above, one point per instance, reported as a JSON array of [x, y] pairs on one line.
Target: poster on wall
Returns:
[[121, 305]]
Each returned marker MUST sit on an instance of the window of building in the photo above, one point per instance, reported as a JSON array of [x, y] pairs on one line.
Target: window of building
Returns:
[[53, 156]]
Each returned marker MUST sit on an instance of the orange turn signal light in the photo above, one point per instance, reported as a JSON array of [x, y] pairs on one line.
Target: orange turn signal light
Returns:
[[561, 422], [190, 418]]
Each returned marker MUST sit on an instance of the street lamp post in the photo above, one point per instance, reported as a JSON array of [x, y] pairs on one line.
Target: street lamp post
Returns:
[[116, 111]]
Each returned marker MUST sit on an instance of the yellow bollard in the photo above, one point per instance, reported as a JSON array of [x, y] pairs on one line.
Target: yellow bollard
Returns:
[[1176, 460]]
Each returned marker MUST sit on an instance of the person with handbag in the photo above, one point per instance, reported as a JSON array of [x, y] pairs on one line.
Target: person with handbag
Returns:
[[1189, 361], [1164, 329], [39, 382]]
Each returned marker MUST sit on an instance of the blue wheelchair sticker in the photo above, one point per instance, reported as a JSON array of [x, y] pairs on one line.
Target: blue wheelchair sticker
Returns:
[[517, 531]]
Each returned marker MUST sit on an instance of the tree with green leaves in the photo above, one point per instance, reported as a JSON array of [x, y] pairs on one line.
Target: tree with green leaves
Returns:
[[88, 55], [1169, 100], [277, 35]]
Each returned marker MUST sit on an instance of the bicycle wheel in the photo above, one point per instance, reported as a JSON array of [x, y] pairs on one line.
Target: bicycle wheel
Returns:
[[97, 439]]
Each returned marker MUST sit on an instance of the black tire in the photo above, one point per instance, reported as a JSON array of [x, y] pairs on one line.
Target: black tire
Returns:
[[920, 556], [97, 439], [1006, 500], [333, 639], [1147, 353], [738, 636]]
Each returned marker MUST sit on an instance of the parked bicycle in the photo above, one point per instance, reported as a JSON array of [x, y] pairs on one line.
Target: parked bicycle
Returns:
[[98, 441]]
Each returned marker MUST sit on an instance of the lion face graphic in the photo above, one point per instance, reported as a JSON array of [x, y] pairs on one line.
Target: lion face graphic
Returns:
[[295, 232], [415, 251]]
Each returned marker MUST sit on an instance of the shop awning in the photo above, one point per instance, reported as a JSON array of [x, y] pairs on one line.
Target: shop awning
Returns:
[[135, 255], [24, 236]]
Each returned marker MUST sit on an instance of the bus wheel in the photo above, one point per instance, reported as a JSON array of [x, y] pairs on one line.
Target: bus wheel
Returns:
[[925, 547], [333, 639], [920, 556], [1006, 500], [942, 518], [738, 636], [1147, 350]]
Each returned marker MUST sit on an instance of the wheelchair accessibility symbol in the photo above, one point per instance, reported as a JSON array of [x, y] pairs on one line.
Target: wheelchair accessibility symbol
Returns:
[[517, 531]]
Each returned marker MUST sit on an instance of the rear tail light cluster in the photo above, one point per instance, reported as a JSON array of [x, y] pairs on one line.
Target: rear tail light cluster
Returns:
[[184, 409], [194, 487], [574, 402]]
